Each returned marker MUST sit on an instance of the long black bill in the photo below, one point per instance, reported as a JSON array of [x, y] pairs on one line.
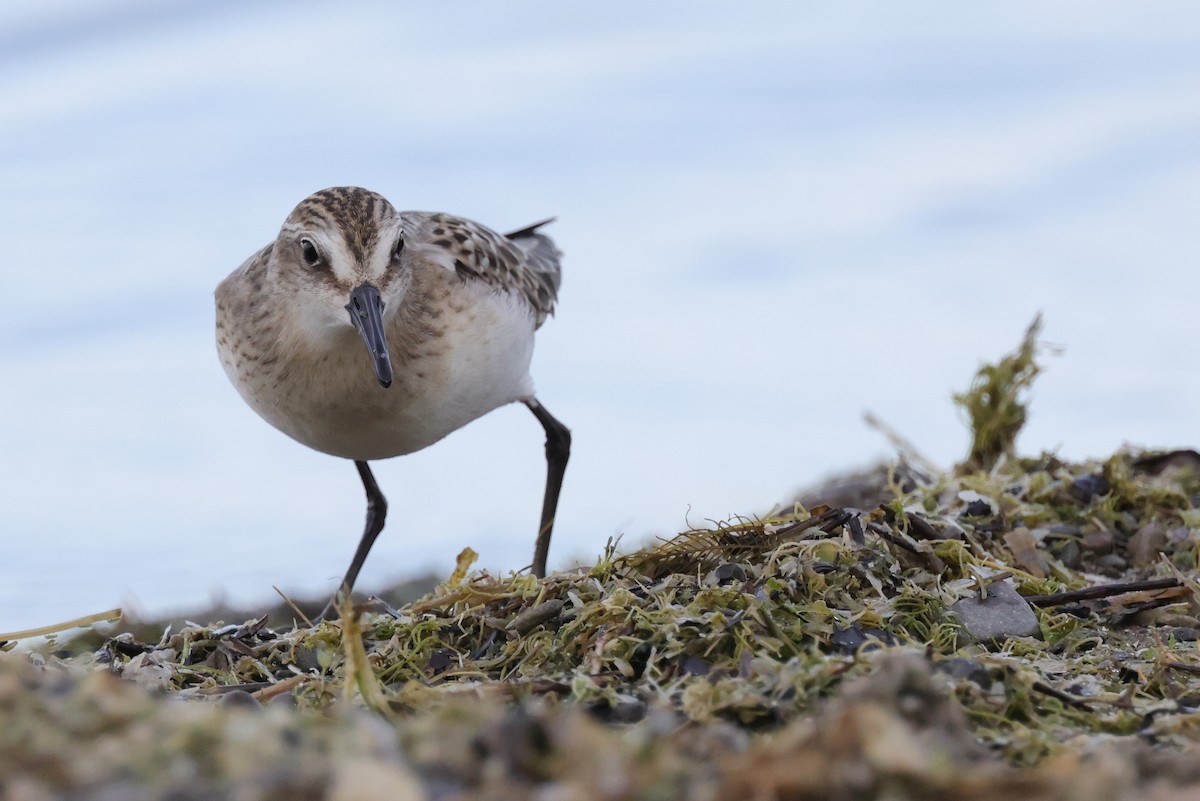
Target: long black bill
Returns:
[[366, 312]]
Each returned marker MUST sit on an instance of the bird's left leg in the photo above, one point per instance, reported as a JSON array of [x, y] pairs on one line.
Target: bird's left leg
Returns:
[[376, 514], [558, 450]]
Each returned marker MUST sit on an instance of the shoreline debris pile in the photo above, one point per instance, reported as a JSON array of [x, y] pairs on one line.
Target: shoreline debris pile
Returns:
[[1019, 626]]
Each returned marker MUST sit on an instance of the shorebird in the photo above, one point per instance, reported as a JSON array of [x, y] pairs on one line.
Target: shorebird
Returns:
[[446, 308]]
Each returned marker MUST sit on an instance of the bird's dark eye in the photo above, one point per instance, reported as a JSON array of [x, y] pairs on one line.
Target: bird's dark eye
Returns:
[[309, 252], [399, 246]]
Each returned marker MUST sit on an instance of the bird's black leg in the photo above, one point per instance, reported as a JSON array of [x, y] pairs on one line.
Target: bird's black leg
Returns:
[[558, 450], [376, 514]]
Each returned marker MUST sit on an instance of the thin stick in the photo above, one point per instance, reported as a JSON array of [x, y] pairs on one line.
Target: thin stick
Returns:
[[931, 558], [294, 608], [1069, 700], [1101, 591], [78, 622], [902, 445], [286, 685]]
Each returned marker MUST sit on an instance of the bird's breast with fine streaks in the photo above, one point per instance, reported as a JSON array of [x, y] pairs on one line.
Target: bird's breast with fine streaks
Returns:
[[460, 350]]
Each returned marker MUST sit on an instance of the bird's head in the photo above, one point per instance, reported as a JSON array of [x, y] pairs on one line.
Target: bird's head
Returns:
[[340, 254]]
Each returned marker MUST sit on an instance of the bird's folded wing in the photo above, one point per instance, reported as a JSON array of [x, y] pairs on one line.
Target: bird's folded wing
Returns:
[[526, 263]]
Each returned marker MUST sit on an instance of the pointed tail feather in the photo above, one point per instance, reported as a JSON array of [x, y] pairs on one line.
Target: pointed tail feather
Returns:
[[530, 229]]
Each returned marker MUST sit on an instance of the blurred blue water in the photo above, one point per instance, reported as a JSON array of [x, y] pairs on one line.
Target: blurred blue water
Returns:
[[774, 216]]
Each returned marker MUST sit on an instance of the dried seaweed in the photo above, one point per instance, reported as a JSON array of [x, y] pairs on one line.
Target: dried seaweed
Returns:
[[754, 622], [831, 652], [994, 404]]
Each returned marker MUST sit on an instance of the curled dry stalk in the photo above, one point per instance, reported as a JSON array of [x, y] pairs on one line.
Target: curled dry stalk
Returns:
[[359, 675]]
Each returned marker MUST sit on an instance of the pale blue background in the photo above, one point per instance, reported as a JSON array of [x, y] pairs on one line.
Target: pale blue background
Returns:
[[775, 216]]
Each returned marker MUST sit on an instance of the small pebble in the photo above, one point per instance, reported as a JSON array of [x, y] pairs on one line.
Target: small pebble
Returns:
[[1004, 614]]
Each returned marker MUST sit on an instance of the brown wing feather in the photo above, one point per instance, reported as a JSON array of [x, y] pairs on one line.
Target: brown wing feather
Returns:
[[527, 262]]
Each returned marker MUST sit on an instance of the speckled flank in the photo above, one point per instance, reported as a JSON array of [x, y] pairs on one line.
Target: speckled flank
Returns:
[[481, 253]]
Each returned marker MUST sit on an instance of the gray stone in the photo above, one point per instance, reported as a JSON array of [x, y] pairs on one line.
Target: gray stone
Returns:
[[1004, 614], [1111, 565], [1098, 541], [1070, 554], [1146, 545]]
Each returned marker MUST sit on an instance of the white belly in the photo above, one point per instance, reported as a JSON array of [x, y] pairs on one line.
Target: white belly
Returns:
[[330, 400]]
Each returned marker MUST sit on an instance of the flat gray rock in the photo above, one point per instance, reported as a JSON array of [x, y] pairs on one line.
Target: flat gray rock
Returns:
[[1004, 614]]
